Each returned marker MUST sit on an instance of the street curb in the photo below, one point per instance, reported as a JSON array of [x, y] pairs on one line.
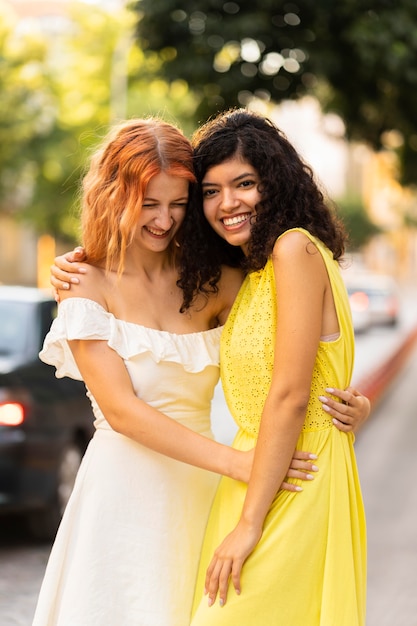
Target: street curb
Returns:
[[376, 384]]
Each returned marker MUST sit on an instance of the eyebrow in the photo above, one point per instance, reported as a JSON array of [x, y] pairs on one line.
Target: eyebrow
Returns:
[[181, 198], [234, 180]]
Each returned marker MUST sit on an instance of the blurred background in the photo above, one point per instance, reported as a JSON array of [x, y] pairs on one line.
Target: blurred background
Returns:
[[341, 80]]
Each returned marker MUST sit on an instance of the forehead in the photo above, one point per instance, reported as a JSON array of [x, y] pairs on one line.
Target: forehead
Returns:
[[235, 166], [163, 184]]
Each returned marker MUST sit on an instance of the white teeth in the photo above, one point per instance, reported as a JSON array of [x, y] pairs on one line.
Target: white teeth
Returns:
[[237, 219], [157, 232]]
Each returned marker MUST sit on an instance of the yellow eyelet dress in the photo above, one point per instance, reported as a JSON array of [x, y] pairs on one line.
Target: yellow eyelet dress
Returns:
[[309, 569]]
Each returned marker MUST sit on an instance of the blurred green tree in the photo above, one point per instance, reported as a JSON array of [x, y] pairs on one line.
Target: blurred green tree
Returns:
[[359, 226], [58, 95], [356, 56]]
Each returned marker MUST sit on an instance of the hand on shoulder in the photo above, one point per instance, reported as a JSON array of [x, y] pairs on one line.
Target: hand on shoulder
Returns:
[[92, 285]]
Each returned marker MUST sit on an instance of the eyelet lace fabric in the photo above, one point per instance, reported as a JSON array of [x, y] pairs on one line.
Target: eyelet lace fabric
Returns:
[[247, 349]]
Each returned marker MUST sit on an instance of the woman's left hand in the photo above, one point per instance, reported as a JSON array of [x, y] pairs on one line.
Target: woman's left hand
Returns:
[[228, 561], [350, 414]]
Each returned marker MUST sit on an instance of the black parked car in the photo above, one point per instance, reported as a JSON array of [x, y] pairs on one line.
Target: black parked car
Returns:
[[45, 422]]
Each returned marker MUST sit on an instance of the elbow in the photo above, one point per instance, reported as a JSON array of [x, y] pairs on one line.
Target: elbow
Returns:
[[292, 402], [116, 419]]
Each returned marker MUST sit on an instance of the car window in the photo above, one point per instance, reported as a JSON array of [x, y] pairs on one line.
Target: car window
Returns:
[[14, 324], [49, 312]]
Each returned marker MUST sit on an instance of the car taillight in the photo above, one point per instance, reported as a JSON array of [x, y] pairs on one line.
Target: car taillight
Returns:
[[359, 301], [11, 414]]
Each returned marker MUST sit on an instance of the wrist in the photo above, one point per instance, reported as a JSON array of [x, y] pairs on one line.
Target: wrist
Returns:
[[251, 523], [238, 466]]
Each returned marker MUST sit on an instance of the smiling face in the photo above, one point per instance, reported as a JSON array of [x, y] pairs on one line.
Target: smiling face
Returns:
[[162, 213], [230, 195]]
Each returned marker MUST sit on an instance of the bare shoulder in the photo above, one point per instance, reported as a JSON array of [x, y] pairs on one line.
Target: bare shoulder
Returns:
[[230, 281], [92, 285], [293, 242]]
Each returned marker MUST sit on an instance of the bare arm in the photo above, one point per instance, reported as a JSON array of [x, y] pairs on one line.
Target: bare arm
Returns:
[[106, 376]]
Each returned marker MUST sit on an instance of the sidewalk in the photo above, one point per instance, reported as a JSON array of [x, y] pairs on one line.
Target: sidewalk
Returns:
[[375, 383]]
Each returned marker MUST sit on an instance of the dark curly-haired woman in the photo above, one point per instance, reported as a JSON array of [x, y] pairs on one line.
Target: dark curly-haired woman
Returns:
[[289, 334]]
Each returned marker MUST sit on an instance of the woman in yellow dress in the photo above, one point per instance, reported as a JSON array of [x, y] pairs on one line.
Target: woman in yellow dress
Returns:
[[274, 557]]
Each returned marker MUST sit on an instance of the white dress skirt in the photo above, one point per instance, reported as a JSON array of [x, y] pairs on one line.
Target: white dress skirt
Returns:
[[127, 550]]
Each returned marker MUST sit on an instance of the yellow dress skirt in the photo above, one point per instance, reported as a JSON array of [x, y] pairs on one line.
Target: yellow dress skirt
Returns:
[[309, 568]]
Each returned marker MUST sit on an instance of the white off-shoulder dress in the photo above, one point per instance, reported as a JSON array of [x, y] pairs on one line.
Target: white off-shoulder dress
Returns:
[[127, 550]]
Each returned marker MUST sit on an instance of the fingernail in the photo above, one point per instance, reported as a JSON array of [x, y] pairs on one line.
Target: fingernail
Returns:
[[82, 270], [297, 488], [314, 468], [323, 399], [210, 601], [313, 456], [335, 421], [309, 477], [75, 281], [325, 407], [65, 286], [329, 389], [221, 602]]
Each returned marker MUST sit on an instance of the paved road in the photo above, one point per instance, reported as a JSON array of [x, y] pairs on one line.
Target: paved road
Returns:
[[386, 450]]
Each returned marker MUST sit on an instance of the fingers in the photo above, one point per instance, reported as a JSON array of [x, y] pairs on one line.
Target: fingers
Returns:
[[300, 468], [58, 278], [305, 466], [65, 268], [290, 487], [339, 412], [302, 474], [300, 454], [79, 254], [211, 586], [349, 414], [236, 572], [217, 579], [227, 562]]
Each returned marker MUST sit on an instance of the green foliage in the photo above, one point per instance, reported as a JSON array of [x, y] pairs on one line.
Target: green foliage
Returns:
[[58, 95], [356, 56], [358, 225]]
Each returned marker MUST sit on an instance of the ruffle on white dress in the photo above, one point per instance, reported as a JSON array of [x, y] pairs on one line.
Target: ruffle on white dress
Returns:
[[80, 318]]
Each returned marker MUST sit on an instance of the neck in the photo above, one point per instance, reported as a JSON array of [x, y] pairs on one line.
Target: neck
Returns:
[[149, 263]]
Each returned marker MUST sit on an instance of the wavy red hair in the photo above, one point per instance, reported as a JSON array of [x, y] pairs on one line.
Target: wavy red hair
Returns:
[[114, 187]]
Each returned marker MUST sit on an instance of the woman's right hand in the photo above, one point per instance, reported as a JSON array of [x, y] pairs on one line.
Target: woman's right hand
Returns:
[[65, 269]]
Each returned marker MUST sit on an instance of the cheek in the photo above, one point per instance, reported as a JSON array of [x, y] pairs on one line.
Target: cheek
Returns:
[[179, 216], [209, 214]]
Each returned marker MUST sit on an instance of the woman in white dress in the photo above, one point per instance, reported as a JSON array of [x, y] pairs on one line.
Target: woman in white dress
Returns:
[[127, 549]]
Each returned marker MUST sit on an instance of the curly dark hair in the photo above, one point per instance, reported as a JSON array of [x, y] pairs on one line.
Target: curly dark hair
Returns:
[[290, 198]]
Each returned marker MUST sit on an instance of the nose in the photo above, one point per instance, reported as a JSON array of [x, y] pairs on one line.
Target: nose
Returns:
[[229, 200], [164, 219]]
